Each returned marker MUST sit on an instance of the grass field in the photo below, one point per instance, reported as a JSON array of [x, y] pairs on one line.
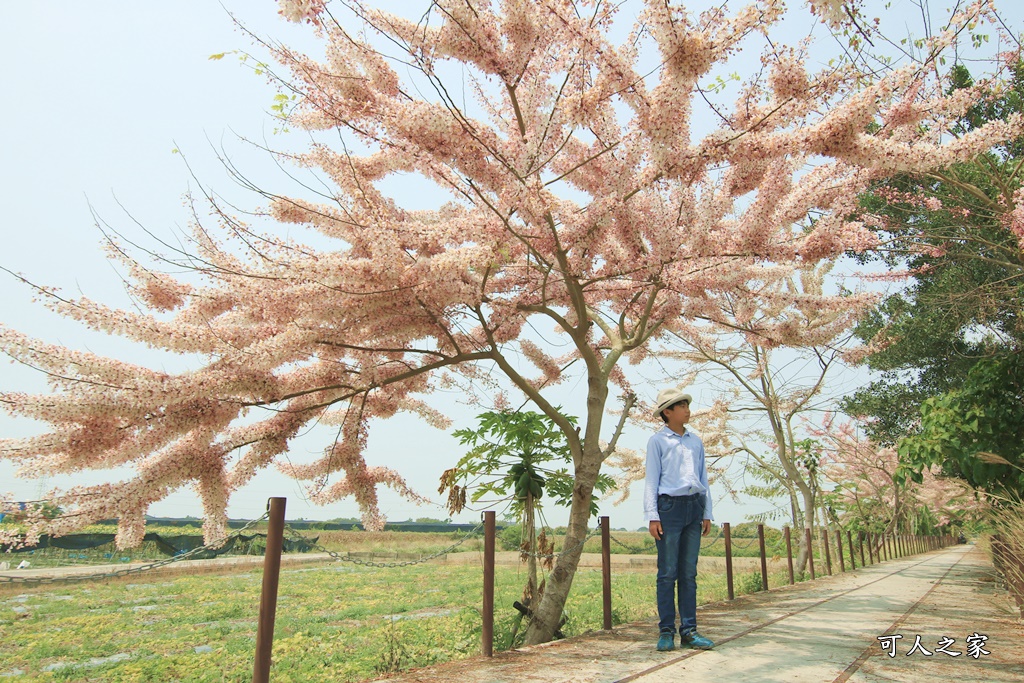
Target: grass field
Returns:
[[335, 622]]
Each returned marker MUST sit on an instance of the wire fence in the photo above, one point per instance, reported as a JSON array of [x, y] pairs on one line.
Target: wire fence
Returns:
[[776, 549], [652, 547]]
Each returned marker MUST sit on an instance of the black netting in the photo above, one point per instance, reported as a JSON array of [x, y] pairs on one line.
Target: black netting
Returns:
[[170, 545]]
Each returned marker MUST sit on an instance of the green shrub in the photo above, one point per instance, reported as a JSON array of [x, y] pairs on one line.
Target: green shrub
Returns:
[[511, 537], [749, 583]]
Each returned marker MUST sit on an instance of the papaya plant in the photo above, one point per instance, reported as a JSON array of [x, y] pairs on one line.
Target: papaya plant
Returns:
[[518, 457]]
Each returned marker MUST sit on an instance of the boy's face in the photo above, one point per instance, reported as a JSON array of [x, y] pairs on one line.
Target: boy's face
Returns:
[[678, 414]]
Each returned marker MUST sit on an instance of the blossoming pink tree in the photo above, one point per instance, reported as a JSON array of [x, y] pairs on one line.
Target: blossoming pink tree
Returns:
[[607, 189], [869, 493], [775, 390]]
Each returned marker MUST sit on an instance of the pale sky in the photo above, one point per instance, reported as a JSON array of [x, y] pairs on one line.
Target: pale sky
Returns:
[[96, 97]]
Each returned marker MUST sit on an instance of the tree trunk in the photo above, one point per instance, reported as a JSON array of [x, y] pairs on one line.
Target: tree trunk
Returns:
[[798, 530], [530, 529], [803, 552], [587, 461], [548, 614], [805, 549]]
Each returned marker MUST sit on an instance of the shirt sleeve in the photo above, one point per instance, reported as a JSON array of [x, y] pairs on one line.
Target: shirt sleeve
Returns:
[[704, 482], [652, 477]]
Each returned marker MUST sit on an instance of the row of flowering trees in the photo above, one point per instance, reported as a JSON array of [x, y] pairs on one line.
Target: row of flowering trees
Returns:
[[599, 179]]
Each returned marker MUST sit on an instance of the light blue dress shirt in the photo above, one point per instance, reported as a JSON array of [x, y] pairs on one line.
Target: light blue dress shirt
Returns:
[[676, 467]]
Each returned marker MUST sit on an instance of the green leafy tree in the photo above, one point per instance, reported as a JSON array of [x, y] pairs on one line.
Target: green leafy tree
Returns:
[[975, 432], [948, 227], [777, 391]]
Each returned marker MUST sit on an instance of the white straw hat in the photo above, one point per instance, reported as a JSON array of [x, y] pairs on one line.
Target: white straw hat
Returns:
[[667, 397]]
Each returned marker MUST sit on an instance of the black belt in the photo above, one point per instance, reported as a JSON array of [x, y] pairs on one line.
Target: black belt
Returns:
[[692, 496]]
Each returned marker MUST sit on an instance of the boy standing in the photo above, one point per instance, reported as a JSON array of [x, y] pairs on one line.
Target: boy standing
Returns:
[[677, 506]]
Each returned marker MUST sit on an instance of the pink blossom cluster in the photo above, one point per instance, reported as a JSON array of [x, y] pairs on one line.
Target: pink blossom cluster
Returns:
[[830, 11], [1014, 217], [866, 473], [299, 11]]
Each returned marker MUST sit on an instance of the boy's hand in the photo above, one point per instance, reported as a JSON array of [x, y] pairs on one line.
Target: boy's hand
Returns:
[[707, 527], [655, 529]]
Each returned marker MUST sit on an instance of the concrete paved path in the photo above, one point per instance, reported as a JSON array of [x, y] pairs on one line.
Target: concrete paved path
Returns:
[[816, 632], [836, 637]]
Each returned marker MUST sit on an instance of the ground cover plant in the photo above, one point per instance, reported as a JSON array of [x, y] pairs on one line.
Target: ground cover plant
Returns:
[[335, 622]]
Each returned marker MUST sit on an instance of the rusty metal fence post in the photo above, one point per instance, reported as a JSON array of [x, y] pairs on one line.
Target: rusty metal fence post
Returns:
[[487, 630], [727, 533], [606, 572], [828, 553], [789, 556], [764, 559], [268, 597]]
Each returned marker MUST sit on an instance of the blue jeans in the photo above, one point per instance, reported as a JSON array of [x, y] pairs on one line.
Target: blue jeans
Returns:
[[681, 522]]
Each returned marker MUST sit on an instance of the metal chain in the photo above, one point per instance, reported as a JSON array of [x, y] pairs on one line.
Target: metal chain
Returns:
[[73, 578], [643, 550], [744, 547], [295, 535], [548, 556], [635, 550]]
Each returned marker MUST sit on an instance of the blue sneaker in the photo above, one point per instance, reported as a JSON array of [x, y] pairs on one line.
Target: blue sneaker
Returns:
[[695, 641], [666, 641]]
